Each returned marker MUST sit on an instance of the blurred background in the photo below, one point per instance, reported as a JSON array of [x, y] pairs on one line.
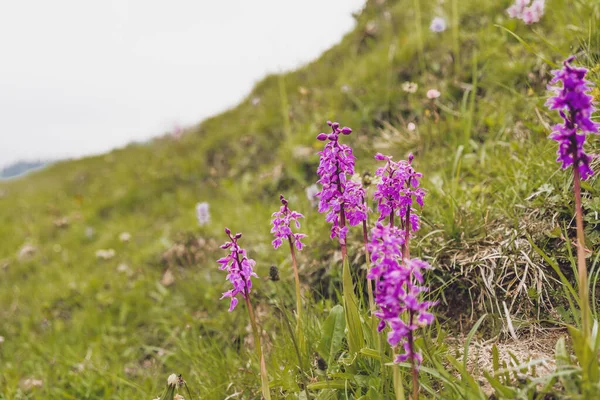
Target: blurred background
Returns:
[[80, 78]]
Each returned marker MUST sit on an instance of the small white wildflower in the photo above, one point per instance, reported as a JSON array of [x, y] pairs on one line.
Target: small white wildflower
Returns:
[[410, 87], [172, 380], [202, 213], [345, 88], [178, 397], [123, 268], [371, 28], [433, 94], [411, 127], [311, 192], [356, 178], [30, 383], [105, 254], [26, 251], [1, 339], [125, 237], [438, 24], [255, 101]]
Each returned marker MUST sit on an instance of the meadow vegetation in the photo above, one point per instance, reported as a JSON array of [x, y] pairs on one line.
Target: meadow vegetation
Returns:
[[108, 283]]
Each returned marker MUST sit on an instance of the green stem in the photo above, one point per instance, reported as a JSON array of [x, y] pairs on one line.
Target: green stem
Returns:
[[415, 371], [411, 341], [455, 40], [372, 301], [406, 249], [299, 308], [581, 265], [292, 336], [368, 261], [297, 279], [418, 32], [264, 377], [343, 246], [398, 388]]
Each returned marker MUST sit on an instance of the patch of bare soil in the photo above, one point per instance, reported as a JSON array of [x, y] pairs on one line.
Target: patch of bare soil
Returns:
[[532, 353]]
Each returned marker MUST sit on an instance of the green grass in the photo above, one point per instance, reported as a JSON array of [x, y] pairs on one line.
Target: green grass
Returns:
[[89, 331]]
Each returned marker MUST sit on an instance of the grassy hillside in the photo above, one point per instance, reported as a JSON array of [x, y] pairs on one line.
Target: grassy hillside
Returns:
[[92, 328]]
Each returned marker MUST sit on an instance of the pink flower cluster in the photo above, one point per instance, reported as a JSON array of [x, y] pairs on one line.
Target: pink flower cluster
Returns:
[[527, 13], [339, 196], [282, 225], [575, 105], [399, 284], [240, 269], [398, 188]]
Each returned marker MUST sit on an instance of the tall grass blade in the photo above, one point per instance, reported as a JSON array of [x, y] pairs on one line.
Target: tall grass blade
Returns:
[[353, 323]]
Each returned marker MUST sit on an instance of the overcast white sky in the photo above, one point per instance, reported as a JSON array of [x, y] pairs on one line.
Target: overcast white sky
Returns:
[[81, 77]]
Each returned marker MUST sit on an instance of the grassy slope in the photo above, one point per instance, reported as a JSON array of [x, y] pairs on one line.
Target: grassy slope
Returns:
[[91, 332]]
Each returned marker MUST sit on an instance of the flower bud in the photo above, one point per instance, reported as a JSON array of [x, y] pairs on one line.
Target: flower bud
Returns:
[[274, 273], [320, 363], [172, 380], [322, 136], [367, 179], [346, 130]]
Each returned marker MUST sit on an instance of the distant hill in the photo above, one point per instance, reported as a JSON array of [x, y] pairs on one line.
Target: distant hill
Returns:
[[21, 168]]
